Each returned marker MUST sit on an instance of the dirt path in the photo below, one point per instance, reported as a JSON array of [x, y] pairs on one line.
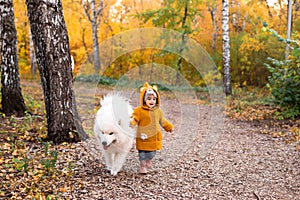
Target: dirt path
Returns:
[[244, 164]]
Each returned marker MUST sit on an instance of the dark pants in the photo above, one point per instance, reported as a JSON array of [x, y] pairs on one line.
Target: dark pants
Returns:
[[146, 155]]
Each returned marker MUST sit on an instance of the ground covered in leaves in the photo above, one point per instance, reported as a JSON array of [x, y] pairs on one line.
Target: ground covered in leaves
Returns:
[[253, 157]]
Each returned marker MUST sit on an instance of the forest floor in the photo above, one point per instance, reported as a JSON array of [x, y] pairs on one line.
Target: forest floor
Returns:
[[243, 154]]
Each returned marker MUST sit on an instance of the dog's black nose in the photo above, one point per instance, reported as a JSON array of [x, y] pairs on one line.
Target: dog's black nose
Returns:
[[104, 143]]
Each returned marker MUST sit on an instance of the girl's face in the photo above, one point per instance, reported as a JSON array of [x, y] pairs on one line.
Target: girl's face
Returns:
[[151, 101]]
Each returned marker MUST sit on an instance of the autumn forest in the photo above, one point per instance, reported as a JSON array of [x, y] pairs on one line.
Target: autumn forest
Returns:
[[251, 44], [228, 75]]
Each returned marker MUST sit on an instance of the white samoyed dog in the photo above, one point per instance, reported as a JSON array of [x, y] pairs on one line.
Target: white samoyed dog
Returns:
[[113, 132]]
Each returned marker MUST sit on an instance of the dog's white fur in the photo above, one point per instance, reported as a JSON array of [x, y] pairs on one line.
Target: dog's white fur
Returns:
[[112, 130]]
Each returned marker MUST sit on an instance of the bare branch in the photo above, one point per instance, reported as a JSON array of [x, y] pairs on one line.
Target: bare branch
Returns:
[[99, 13], [86, 7]]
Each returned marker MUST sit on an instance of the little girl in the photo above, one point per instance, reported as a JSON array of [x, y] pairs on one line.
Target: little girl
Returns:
[[148, 117]]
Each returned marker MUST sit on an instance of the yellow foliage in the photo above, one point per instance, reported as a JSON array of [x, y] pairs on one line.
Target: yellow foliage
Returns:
[[213, 78], [118, 16], [251, 44]]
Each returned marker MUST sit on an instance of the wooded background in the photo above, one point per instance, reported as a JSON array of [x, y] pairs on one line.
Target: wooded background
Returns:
[[260, 140], [250, 44]]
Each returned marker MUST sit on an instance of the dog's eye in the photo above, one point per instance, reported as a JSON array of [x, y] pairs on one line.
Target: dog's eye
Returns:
[[111, 133], [102, 133]]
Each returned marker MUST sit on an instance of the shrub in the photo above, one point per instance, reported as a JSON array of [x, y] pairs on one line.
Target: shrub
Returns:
[[284, 81], [103, 80]]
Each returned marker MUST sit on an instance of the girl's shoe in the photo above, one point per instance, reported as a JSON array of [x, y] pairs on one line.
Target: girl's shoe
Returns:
[[143, 167]]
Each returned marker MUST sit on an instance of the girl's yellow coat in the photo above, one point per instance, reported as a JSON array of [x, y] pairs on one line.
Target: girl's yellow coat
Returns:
[[149, 121]]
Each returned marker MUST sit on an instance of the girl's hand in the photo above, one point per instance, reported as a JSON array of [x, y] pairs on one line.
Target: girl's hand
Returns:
[[132, 123]]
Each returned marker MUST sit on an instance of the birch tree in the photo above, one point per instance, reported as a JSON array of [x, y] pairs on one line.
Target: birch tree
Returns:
[[52, 51], [212, 8], [12, 99], [94, 13], [226, 47], [32, 56]]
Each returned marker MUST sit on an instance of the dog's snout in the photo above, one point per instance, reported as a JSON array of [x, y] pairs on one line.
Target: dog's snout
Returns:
[[104, 143]]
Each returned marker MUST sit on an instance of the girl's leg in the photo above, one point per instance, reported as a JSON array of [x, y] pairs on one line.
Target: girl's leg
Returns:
[[143, 167], [149, 164], [143, 162], [149, 156]]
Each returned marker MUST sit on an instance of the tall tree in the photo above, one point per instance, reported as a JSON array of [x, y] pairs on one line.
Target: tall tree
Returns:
[[226, 47], [212, 8], [51, 42], [289, 28], [183, 35], [12, 99], [32, 56], [94, 13]]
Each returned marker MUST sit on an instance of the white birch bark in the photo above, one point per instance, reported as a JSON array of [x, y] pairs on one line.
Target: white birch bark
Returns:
[[12, 99], [32, 56], [226, 47], [94, 14]]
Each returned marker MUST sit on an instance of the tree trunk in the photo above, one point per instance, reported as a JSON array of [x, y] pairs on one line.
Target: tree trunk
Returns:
[[226, 47], [12, 99], [289, 28], [213, 13], [179, 63], [50, 38], [95, 39], [32, 56], [95, 19]]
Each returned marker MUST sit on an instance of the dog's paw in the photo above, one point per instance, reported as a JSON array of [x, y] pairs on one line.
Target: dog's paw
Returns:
[[109, 168], [113, 172]]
